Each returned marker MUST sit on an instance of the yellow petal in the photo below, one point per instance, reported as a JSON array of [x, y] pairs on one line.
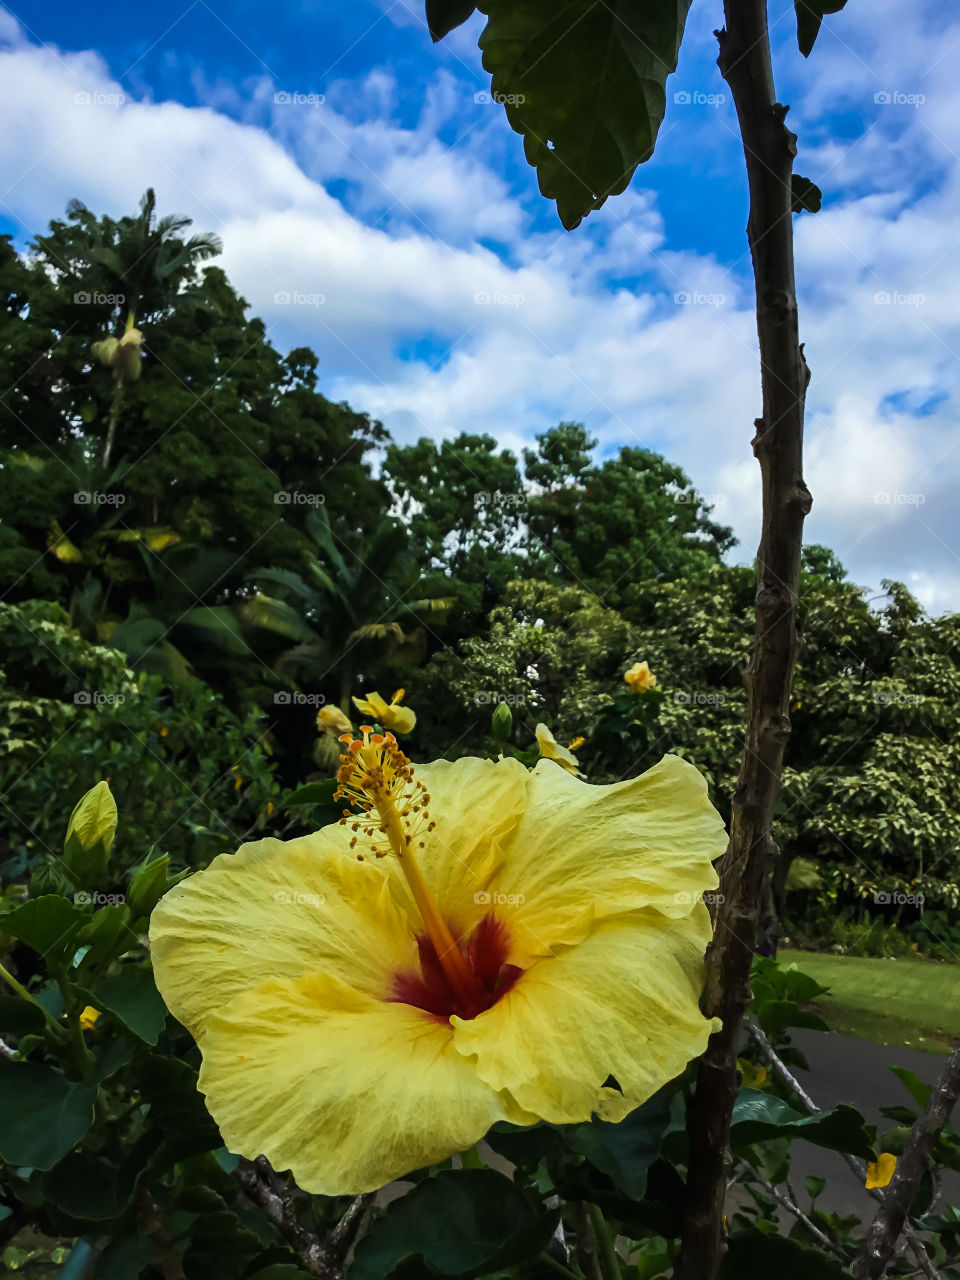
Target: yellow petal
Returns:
[[881, 1171], [399, 719], [372, 705], [583, 852], [640, 678], [624, 1003], [551, 749], [277, 909], [475, 804], [332, 720], [88, 1017], [345, 1091]]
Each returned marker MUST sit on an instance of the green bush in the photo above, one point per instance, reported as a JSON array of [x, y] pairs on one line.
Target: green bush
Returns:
[[193, 779]]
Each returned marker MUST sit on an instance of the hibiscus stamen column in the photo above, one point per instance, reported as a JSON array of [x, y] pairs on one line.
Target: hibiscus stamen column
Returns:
[[378, 779]]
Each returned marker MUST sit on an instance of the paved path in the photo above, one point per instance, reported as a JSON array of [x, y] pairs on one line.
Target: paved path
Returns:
[[847, 1069]]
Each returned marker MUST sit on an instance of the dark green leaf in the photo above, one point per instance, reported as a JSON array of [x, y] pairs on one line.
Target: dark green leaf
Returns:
[[810, 14], [584, 83], [86, 1187], [814, 1186], [43, 1115], [19, 1015], [756, 1254], [311, 793], [108, 934], [758, 1117], [444, 15], [917, 1090], [902, 1115], [624, 1151], [48, 924], [464, 1222], [133, 996], [177, 1108], [805, 195], [123, 1259], [279, 1271], [523, 1144], [148, 883]]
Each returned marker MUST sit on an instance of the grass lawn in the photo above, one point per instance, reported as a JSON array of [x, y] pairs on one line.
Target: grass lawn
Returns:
[[896, 1002]]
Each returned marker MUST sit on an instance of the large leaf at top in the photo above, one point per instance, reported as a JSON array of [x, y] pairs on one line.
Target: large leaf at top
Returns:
[[810, 14], [584, 83], [444, 15]]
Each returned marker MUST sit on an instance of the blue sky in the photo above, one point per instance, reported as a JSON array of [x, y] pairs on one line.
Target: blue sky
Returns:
[[386, 218]]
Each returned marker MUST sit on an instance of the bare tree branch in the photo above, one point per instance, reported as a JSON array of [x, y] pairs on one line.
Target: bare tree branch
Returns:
[[322, 1258], [791, 1206], [891, 1217], [769, 149], [913, 1242]]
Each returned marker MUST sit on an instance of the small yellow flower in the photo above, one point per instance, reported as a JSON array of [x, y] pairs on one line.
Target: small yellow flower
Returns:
[[390, 714], [237, 782], [640, 678], [270, 807], [753, 1077], [331, 720], [576, 744], [551, 749], [880, 1173], [164, 731], [442, 960], [88, 1017]]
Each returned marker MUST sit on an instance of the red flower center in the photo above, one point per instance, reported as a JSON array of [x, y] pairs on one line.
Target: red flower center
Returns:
[[485, 953]]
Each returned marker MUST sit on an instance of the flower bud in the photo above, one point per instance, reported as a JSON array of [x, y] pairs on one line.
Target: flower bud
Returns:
[[90, 834], [148, 884], [501, 722]]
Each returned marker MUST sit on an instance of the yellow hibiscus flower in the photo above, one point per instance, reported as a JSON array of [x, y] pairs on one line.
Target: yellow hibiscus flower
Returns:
[[551, 749], [474, 942], [881, 1171], [390, 714], [640, 678], [331, 720]]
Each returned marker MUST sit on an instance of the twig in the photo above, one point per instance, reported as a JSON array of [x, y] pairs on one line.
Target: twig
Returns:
[[787, 1203], [891, 1217], [322, 1258], [911, 1239]]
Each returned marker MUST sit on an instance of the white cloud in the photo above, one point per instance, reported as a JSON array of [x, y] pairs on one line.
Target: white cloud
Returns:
[[576, 326]]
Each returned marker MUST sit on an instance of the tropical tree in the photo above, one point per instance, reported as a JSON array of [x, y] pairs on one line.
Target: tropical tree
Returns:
[[362, 600], [141, 265]]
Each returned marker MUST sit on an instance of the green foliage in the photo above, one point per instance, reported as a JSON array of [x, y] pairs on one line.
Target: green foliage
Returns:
[[72, 715], [467, 1223], [140, 637]]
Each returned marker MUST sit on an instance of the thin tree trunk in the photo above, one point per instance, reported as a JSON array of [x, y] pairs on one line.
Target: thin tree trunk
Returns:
[[769, 149], [891, 1217], [116, 403]]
